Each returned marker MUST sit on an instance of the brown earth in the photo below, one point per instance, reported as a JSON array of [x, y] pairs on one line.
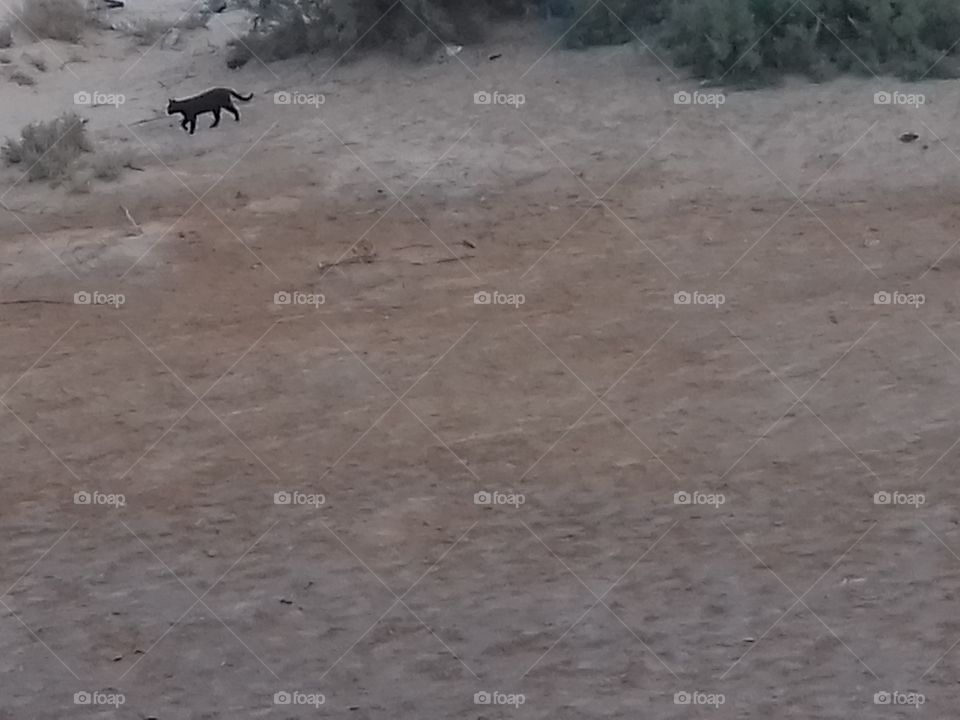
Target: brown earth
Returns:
[[598, 398]]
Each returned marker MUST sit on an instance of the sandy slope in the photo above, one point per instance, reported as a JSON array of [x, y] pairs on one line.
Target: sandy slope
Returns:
[[400, 398]]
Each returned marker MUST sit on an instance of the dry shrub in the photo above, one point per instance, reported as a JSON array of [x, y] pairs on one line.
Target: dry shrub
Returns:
[[109, 165], [54, 19], [196, 19], [149, 30], [21, 78], [79, 184], [48, 149], [38, 62], [414, 28]]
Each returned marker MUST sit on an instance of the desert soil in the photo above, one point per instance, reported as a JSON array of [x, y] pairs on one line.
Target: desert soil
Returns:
[[794, 398]]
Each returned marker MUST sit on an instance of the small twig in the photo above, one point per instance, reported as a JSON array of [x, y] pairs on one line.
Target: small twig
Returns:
[[445, 260], [347, 261], [26, 302], [132, 221]]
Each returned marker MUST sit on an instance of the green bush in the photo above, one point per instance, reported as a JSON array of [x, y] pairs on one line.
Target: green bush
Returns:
[[608, 23], [743, 39], [732, 40], [285, 28], [758, 40]]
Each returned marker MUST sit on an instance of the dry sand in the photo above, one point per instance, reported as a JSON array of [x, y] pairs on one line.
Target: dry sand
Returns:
[[399, 398]]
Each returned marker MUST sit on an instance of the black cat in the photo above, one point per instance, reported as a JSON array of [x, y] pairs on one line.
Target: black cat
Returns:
[[211, 101]]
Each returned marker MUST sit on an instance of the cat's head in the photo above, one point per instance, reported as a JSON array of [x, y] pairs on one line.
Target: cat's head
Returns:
[[171, 107]]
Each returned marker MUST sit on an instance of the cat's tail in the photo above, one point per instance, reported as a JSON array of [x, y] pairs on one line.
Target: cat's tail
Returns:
[[238, 96]]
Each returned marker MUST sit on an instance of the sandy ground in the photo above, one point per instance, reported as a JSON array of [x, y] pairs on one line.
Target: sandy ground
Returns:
[[399, 398]]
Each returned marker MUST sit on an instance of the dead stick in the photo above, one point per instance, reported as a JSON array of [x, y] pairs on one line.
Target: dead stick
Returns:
[[132, 221], [443, 260], [26, 302]]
